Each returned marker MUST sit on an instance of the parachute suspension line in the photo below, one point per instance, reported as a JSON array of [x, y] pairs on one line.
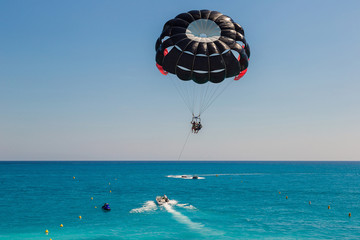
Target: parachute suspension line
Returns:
[[219, 93], [194, 100], [203, 97], [182, 94], [209, 94], [209, 91], [186, 91], [199, 97], [215, 89], [201, 93], [214, 95], [183, 147]]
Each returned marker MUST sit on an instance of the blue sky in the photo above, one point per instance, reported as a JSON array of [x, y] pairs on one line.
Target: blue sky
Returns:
[[78, 82]]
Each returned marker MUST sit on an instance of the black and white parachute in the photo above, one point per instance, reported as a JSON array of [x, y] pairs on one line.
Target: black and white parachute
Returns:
[[206, 47]]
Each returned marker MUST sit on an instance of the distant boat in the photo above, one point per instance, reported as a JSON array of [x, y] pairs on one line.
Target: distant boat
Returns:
[[189, 177]]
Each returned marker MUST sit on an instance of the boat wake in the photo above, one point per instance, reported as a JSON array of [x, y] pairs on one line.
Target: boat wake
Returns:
[[183, 219], [233, 174], [170, 206], [186, 206], [149, 206]]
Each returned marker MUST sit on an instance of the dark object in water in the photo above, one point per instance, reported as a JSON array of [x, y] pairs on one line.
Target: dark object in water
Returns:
[[195, 177], [106, 207]]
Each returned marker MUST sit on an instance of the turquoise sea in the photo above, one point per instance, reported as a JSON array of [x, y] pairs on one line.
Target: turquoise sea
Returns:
[[232, 200]]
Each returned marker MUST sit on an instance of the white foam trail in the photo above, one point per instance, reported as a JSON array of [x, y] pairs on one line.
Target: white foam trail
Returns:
[[234, 174], [172, 202], [186, 206], [183, 219], [147, 207], [175, 176]]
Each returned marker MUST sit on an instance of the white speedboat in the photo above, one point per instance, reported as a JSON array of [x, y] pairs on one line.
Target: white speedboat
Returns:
[[189, 177], [162, 199]]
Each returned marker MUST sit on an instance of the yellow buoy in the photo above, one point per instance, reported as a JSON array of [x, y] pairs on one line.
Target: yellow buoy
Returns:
[[50, 239], [286, 197], [279, 192], [92, 198], [328, 206], [79, 217], [217, 175], [95, 206], [73, 177], [46, 231], [349, 214], [110, 191], [61, 225]]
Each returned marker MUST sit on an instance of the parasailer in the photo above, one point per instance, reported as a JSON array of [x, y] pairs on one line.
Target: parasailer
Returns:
[[201, 49], [198, 127], [196, 124], [193, 124]]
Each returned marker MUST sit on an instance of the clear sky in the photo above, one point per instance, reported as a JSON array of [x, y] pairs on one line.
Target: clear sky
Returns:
[[78, 82]]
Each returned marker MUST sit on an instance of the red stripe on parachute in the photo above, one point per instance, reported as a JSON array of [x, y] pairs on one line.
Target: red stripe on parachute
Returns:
[[242, 73], [161, 69]]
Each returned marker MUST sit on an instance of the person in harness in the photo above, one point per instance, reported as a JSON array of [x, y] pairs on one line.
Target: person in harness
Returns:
[[193, 128], [198, 127], [196, 124]]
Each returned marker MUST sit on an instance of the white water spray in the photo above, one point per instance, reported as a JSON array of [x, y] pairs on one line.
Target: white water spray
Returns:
[[183, 219], [147, 207]]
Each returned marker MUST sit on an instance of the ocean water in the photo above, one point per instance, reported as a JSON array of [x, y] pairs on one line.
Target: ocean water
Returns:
[[232, 200]]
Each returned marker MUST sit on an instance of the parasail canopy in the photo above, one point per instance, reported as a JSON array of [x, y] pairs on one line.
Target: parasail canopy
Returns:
[[202, 47]]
